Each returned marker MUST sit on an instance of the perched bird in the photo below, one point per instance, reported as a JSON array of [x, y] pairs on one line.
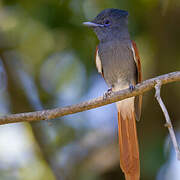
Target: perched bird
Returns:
[[118, 61]]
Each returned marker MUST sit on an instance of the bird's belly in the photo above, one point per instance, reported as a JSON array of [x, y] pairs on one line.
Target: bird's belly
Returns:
[[120, 72], [117, 63]]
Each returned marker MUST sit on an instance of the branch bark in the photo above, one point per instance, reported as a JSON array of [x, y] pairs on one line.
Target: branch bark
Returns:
[[91, 104]]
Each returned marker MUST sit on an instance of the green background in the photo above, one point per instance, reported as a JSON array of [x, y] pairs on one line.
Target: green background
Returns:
[[47, 60]]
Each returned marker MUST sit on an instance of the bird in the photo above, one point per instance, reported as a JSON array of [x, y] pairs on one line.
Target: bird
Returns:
[[117, 60]]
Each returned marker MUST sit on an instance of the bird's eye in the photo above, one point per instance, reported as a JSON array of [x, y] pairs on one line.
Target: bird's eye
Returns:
[[106, 22]]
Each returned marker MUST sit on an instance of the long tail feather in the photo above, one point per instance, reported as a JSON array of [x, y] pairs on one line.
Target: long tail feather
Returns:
[[128, 142]]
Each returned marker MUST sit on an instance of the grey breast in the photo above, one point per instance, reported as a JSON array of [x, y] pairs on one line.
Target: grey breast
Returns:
[[117, 62]]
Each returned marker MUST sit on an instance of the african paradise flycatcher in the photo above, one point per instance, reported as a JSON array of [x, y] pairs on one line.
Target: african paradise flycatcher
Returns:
[[118, 61]]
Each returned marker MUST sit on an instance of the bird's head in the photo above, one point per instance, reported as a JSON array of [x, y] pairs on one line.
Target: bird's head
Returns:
[[109, 24]]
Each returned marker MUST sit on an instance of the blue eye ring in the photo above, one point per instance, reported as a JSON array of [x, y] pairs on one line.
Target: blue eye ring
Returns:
[[107, 22]]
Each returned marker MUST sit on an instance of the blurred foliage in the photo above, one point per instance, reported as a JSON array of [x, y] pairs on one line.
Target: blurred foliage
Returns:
[[47, 60]]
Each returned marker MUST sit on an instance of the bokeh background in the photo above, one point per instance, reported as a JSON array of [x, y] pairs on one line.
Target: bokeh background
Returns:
[[47, 60]]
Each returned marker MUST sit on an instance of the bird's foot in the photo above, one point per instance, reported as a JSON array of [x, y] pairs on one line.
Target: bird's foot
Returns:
[[131, 87], [108, 93]]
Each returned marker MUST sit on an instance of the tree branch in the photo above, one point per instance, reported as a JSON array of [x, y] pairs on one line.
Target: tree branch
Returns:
[[94, 103], [168, 120]]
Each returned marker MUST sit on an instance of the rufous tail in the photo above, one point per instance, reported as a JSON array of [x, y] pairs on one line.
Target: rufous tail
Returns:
[[128, 142]]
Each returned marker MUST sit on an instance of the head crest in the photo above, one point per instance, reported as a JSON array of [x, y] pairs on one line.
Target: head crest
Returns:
[[114, 12]]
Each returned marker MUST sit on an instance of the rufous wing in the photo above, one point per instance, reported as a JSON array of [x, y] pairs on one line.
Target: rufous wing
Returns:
[[138, 99]]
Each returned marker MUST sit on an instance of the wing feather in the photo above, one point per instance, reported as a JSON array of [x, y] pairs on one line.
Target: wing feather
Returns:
[[137, 60], [98, 63], [138, 99]]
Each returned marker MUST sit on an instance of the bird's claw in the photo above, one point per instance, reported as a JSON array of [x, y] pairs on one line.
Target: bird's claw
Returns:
[[131, 87], [108, 93]]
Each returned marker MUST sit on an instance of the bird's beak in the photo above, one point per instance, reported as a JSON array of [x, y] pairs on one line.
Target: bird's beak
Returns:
[[91, 24]]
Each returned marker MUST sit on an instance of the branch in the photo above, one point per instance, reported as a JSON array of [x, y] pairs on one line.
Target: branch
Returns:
[[168, 120], [94, 103]]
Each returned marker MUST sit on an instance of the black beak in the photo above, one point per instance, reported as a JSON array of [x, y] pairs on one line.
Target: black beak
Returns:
[[91, 24]]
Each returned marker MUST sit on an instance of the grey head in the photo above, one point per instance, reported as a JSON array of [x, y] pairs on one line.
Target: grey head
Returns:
[[110, 24]]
